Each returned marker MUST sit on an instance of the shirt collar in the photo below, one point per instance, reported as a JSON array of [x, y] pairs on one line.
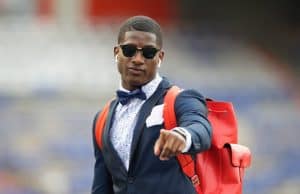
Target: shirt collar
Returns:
[[148, 88]]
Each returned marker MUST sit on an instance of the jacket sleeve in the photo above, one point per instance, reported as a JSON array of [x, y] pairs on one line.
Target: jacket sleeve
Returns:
[[191, 114], [102, 183]]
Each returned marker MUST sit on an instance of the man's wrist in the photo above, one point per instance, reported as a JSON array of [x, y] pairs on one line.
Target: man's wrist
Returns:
[[180, 132], [187, 136]]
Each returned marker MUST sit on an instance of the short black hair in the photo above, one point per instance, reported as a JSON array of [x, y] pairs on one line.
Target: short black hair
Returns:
[[141, 23]]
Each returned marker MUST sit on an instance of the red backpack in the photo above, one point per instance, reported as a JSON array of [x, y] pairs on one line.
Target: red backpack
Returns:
[[219, 170]]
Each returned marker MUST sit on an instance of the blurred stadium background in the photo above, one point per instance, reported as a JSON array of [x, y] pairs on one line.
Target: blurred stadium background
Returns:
[[57, 69]]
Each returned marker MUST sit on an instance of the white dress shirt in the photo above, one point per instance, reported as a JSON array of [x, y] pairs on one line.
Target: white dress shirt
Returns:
[[125, 119]]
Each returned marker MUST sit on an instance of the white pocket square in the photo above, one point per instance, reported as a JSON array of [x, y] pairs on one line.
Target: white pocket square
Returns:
[[156, 116]]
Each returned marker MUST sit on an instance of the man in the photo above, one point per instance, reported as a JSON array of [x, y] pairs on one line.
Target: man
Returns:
[[139, 156]]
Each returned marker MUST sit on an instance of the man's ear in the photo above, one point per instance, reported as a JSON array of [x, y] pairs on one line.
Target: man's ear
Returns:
[[160, 57], [116, 50], [159, 62]]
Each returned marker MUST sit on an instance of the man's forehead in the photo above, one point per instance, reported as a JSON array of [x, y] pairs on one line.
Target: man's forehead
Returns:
[[140, 36]]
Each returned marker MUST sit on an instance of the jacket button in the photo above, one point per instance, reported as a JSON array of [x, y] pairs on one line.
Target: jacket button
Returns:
[[130, 180]]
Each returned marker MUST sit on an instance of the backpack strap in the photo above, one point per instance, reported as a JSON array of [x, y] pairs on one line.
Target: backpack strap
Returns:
[[100, 124], [186, 161]]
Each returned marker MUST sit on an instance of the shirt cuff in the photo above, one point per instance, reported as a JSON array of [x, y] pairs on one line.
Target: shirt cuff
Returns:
[[188, 138]]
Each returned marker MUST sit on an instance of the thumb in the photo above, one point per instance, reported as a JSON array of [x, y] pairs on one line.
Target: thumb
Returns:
[[159, 142]]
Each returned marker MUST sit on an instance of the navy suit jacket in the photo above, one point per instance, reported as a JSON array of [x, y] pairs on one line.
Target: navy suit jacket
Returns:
[[147, 174]]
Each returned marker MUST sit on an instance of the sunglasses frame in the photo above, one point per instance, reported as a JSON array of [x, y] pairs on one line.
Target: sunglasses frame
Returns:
[[122, 46]]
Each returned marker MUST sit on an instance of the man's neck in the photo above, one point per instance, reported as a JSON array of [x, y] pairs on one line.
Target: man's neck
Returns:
[[148, 88], [132, 87]]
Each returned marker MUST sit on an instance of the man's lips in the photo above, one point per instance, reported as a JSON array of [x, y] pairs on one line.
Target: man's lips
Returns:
[[135, 70]]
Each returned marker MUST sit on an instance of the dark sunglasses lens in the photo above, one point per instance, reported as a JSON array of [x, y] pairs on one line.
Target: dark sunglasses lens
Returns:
[[149, 52], [129, 50]]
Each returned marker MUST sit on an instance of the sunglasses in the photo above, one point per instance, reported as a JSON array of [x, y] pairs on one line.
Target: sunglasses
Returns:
[[129, 50]]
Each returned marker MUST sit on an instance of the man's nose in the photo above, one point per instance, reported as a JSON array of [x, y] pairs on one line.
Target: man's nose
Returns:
[[138, 58]]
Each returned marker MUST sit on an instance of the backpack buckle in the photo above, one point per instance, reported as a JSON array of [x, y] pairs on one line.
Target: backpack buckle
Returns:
[[195, 180]]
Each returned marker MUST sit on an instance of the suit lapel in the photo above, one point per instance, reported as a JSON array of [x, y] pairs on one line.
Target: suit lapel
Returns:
[[108, 146], [144, 112]]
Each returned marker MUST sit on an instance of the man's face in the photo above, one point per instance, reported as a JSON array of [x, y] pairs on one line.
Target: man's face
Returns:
[[137, 67]]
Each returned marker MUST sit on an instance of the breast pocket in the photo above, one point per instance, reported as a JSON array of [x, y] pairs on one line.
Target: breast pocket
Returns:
[[155, 117]]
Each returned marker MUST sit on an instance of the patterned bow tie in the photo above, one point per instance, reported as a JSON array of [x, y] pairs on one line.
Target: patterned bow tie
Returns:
[[124, 97]]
